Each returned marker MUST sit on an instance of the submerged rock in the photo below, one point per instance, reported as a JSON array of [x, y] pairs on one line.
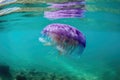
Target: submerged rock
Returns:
[[53, 76], [21, 76], [41, 75], [5, 72]]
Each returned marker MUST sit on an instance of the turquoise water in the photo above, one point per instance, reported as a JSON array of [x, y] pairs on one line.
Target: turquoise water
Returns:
[[21, 50]]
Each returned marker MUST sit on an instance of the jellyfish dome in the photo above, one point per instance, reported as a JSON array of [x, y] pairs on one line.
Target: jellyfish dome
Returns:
[[65, 38]]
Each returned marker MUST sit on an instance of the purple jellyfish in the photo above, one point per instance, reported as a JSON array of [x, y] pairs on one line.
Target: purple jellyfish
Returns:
[[66, 39], [73, 9]]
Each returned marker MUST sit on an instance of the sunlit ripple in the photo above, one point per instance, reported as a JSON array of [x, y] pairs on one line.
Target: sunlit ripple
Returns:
[[30, 5]]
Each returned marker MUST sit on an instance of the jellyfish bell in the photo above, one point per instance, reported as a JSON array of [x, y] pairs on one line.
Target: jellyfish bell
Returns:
[[67, 39]]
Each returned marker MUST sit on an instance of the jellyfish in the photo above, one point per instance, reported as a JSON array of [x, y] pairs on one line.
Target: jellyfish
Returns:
[[65, 38]]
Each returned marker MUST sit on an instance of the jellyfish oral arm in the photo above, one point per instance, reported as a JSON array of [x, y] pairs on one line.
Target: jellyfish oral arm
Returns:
[[42, 40], [60, 49], [48, 44], [45, 42]]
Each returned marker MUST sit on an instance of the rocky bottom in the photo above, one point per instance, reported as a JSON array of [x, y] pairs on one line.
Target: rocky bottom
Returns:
[[32, 74], [7, 74], [36, 75]]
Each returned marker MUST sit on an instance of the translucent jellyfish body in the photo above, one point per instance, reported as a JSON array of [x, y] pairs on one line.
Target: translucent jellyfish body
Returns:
[[65, 38]]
